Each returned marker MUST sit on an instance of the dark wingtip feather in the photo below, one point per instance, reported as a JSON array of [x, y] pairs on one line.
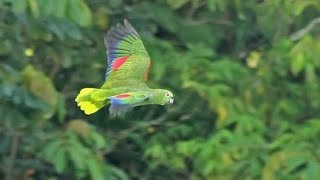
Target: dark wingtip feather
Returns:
[[120, 31], [130, 27]]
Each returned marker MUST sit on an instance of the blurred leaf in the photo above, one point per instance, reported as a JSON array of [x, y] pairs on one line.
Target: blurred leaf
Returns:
[[78, 155], [18, 6], [298, 64], [59, 161], [42, 87], [216, 5], [299, 6], [34, 7], [116, 173], [8, 74], [95, 169], [176, 4], [101, 18], [54, 8], [253, 59], [5, 47], [79, 12], [79, 126], [310, 73], [49, 151], [61, 108], [268, 13], [200, 50], [313, 170], [98, 140]]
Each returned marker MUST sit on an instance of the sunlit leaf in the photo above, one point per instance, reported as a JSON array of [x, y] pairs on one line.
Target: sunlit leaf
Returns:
[[34, 7], [298, 64]]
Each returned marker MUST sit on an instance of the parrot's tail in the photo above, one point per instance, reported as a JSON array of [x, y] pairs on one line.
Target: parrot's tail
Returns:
[[90, 100]]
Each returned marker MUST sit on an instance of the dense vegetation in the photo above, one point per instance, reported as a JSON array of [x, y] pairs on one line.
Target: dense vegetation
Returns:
[[245, 75]]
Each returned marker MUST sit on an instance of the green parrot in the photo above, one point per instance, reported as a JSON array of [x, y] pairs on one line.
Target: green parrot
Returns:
[[126, 75]]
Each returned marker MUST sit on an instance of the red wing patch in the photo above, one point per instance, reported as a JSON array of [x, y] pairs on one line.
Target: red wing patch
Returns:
[[117, 63], [122, 95], [147, 72]]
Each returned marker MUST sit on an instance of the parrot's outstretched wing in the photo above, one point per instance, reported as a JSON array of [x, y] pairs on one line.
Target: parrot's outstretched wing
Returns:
[[124, 102], [127, 57]]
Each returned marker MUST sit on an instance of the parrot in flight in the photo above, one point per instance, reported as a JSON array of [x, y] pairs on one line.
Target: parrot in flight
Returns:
[[126, 76]]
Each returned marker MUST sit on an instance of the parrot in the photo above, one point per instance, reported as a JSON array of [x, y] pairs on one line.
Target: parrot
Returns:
[[125, 78]]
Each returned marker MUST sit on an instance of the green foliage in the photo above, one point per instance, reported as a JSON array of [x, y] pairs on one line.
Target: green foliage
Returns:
[[244, 74]]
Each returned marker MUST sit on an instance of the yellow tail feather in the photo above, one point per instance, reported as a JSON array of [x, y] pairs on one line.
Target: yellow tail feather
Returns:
[[90, 100]]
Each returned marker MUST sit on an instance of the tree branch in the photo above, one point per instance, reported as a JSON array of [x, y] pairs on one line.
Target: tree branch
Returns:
[[302, 32]]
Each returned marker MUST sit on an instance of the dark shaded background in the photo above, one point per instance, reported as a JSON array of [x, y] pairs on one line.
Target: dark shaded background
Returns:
[[245, 75]]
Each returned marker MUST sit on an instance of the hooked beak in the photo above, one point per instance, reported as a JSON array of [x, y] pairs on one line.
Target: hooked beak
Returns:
[[170, 101]]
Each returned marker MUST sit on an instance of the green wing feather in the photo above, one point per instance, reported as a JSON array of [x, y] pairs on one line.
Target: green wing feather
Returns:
[[128, 59], [129, 98], [122, 103]]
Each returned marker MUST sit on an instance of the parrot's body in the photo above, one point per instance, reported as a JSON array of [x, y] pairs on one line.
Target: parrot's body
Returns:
[[125, 86]]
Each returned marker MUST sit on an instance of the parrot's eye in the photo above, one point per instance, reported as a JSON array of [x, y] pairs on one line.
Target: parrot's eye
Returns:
[[167, 95]]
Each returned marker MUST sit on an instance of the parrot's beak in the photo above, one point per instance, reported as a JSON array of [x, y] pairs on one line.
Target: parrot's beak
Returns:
[[171, 101]]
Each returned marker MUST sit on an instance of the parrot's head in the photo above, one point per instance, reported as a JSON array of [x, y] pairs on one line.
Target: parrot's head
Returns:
[[164, 97], [169, 97]]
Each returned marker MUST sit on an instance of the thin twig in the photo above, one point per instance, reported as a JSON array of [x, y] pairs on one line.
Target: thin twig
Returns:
[[302, 32]]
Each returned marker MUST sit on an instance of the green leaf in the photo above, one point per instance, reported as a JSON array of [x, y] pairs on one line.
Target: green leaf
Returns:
[[98, 140], [312, 171], [60, 161], [156, 151], [79, 12], [310, 72], [295, 162], [61, 108], [116, 173], [6, 47], [116, 3], [95, 169], [176, 4], [50, 149], [18, 6], [53, 8], [201, 50], [299, 6], [297, 64], [8, 74], [34, 7], [40, 85], [78, 159], [216, 5]]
